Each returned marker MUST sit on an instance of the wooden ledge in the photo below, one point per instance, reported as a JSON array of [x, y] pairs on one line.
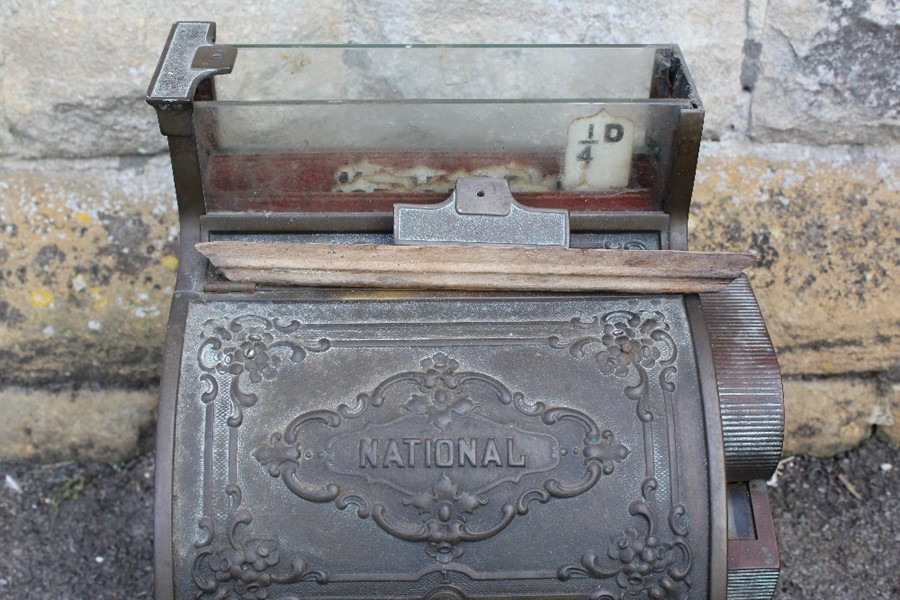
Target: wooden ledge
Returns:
[[488, 268]]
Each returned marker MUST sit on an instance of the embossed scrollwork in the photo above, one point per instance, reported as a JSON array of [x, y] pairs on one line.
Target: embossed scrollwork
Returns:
[[447, 513], [649, 563], [626, 245], [627, 345], [248, 350], [245, 568], [282, 457]]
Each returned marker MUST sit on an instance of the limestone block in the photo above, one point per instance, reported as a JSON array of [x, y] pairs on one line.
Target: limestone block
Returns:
[[86, 425], [6, 137], [713, 47], [74, 74], [87, 264], [827, 73], [827, 416], [823, 223], [886, 416]]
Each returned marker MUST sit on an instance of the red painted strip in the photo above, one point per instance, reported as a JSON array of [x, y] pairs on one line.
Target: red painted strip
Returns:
[[303, 182]]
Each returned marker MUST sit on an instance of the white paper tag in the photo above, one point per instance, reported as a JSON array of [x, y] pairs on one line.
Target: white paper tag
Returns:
[[598, 152]]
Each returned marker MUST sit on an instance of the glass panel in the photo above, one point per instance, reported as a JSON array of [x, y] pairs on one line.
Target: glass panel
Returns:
[[361, 156], [310, 73], [337, 128]]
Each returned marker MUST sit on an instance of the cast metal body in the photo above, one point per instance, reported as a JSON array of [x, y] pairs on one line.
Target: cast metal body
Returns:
[[343, 443]]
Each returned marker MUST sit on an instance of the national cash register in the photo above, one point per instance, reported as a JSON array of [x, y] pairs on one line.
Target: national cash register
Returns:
[[436, 332]]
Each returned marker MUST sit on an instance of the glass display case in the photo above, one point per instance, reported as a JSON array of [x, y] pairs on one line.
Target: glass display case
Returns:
[[349, 128]]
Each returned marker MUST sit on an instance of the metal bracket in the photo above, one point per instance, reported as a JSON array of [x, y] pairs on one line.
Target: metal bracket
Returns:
[[214, 57], [189, 57], [482, 211]]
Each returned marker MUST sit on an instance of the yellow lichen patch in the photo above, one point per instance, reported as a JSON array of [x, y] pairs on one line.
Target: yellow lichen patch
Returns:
[[823, 229], [100, 301], [169, 261], [41, 298], [81, 256]]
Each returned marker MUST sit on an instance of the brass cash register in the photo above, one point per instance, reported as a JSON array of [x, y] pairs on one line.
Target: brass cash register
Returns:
[[393, 419]]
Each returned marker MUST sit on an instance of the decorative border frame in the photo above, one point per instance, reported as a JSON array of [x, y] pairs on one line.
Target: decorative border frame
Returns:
[[633, 346]]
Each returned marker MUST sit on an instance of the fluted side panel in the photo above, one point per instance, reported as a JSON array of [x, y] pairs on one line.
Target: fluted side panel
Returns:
[[752, 584], [749, 382]]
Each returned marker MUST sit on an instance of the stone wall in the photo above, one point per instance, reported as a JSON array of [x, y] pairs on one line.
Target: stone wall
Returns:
[[798, 165]]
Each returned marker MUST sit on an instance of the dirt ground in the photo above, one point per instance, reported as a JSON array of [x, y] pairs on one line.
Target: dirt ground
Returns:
[[86, 531]]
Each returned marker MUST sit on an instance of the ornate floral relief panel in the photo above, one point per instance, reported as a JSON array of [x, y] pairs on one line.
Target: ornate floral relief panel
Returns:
[[525, 446]]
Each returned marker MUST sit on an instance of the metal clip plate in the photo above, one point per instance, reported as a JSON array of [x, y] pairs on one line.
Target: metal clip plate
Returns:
[[482, 211]]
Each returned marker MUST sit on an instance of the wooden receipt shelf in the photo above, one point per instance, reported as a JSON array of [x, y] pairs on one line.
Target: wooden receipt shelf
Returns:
[[476, 267]]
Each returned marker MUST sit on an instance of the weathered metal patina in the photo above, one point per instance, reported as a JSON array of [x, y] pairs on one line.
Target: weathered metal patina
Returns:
[[349, 443]]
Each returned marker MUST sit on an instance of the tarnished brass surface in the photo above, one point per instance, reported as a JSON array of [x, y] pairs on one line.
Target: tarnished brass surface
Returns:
[[398, 446]]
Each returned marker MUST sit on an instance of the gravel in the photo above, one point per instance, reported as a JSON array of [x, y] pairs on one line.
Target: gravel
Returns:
[[86, 531], [838, 525], [77, 531]]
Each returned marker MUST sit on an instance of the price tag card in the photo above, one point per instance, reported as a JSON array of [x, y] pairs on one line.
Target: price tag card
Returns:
[[598, 152]]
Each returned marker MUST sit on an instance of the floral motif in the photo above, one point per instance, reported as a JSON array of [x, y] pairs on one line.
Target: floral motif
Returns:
[[253, 348], [248, 352], [440, 400], [444, 511], [646, 562], [628, 342], [652, 565], [627, 345], [244, 346], [245, 569]]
